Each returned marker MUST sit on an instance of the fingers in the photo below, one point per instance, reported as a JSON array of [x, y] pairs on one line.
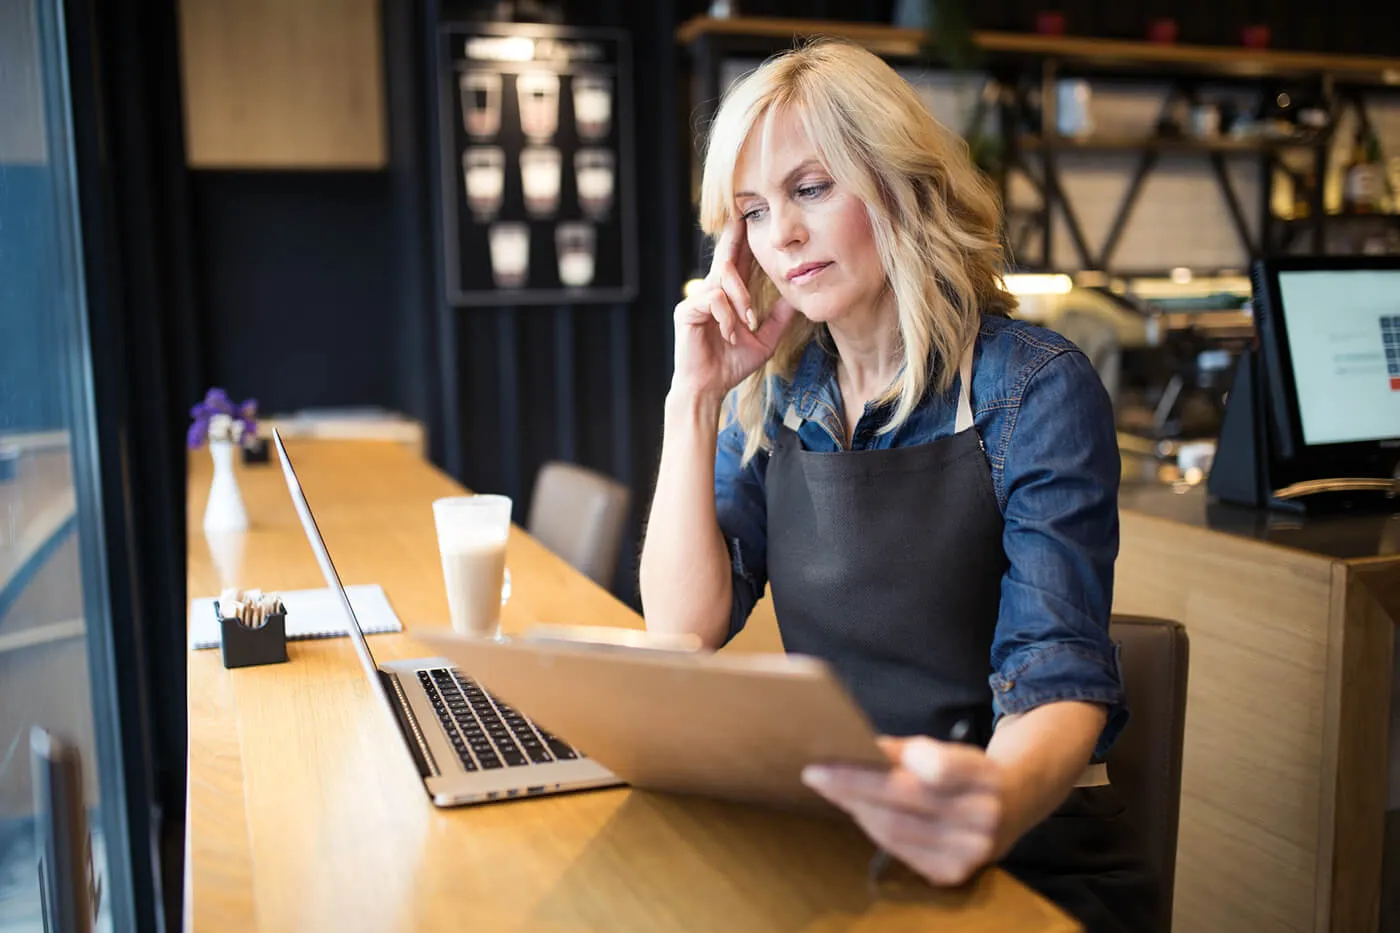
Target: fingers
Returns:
[[731, 248], [976, 808], [942, 854], [780, 315], [943, 767], [738, 294], [722, 310]]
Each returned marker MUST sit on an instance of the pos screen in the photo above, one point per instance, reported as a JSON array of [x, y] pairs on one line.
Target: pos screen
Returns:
[[1330, 333]]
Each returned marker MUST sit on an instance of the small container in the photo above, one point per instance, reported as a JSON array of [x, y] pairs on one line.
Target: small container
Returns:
[[257, 450], [243, 646]]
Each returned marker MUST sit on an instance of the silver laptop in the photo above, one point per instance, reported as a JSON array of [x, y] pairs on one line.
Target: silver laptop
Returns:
[[468, 747]]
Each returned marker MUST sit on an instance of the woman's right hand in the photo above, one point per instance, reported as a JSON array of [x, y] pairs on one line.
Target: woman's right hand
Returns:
[[718, 340]]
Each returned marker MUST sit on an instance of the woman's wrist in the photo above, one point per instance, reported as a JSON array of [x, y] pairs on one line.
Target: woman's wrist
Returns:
[[690, 402]]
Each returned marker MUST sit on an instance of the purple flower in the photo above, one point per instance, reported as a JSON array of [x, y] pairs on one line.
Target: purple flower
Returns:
[[238, 422], [218, 400]]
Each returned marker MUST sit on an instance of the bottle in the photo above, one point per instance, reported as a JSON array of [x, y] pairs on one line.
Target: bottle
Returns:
[[1364, 183], [1303, 189]]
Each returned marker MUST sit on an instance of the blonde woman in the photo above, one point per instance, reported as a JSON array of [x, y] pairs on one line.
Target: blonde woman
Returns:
[[928, 487]]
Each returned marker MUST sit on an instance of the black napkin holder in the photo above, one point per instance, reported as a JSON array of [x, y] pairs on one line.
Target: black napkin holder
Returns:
[[257, 450], [244, 647]]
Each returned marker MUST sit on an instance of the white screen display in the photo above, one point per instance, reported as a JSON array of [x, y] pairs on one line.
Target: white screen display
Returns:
[[1344, 338]]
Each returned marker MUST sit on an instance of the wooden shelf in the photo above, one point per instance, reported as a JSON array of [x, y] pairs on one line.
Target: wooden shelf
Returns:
[[1376, 219], [1097, 53], [1227, 145]]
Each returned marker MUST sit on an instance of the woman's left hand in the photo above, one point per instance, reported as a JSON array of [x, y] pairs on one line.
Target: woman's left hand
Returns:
[[938, 810]]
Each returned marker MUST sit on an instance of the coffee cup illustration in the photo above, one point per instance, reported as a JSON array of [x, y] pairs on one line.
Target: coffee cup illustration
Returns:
[[481, 103], [539, 177], [510, 254], [592, 106], [574, 244], [538, 93], [484, 171], [595, 171]]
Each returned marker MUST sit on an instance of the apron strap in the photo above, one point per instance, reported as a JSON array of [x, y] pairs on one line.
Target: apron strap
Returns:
[[964, 420]]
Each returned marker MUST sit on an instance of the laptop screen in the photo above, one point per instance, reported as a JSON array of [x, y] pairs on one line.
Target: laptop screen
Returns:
[[323, 557]]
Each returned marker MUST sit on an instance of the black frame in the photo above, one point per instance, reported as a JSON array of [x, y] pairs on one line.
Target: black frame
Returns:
[[448, 167], [1294, 460]]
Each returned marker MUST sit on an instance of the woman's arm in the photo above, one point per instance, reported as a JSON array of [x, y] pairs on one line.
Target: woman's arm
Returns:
[[686, 578], [685, 573], [1041, 754]]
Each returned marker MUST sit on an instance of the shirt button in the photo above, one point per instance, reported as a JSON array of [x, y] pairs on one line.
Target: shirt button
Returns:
[[1007, 685]]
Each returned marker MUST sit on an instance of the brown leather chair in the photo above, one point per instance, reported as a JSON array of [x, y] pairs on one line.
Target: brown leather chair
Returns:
[[580, 514], [1145, 763]]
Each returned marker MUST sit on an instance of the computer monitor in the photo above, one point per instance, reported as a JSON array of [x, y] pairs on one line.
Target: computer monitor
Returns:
[[1329, 347]]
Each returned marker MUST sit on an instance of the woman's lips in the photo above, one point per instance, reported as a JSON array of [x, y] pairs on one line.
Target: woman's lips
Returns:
[[806, 272]]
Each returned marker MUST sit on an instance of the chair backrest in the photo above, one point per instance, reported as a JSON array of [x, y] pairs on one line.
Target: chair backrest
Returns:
[[580, 514], [1145, 763]]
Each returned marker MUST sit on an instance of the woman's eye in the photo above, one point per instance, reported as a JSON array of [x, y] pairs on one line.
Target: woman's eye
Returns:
[[814, 190], [751, 214]]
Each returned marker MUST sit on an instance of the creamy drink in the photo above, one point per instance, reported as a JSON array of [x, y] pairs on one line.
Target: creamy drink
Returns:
[[472, 533], [474, 571]]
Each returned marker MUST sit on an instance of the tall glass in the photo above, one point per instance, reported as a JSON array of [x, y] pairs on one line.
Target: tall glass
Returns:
[[472, 533]]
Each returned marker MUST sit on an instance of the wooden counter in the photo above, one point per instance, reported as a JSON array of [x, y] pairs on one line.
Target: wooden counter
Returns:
[[305, 812], [1285, 770]]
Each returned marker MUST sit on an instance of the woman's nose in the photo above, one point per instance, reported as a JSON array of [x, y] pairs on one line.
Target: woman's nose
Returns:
[[787, 229]]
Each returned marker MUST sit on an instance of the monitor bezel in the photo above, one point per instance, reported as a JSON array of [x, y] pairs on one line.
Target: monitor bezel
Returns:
[[1294, 459]]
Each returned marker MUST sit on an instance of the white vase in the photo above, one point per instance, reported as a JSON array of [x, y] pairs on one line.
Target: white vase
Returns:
[[225, 510]]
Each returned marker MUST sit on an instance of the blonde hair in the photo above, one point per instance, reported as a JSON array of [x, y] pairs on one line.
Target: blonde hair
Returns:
[[934, 215]]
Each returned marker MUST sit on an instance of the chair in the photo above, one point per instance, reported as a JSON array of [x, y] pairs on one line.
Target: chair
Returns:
[[1145, 763], [579, 514]]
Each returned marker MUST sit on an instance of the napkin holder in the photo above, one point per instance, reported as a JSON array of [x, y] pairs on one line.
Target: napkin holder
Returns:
[[244, 647]]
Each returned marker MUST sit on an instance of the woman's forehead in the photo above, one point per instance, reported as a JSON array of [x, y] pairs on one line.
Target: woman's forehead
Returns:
[[777, 143]]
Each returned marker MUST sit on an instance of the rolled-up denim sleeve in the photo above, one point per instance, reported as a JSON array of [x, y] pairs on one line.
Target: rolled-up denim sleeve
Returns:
[[742, 509], [1060, 480]]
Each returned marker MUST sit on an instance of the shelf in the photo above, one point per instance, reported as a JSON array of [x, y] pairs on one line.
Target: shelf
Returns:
[[1360, 219], [1107, 54], [1226, 145]]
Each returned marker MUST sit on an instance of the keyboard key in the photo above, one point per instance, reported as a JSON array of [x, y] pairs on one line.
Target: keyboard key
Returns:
[[512, 757], [538, 754], [489, 762], [467, 763], [562, 750]]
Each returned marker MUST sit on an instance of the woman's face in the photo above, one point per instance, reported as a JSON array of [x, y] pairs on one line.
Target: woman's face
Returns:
[[812, 238]]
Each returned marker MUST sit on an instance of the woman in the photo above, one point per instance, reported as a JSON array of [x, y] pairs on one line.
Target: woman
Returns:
[[929, 487]]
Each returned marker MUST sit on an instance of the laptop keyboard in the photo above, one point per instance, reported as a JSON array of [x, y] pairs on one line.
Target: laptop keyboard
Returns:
[[486, 733]]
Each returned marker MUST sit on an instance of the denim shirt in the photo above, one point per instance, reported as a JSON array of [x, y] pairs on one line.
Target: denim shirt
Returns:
[[1047, 425]]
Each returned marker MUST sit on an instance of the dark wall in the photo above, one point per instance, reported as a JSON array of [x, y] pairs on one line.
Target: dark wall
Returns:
[[299, 287]]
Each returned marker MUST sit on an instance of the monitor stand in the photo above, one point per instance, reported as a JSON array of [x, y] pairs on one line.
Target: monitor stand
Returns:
[[1244, 471]]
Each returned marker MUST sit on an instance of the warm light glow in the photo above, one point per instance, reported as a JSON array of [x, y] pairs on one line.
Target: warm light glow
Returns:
[[693, 286], [1181, 275], [1027, 283]]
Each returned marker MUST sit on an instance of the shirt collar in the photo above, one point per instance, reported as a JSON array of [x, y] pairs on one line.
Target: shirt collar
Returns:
[[813, 381]]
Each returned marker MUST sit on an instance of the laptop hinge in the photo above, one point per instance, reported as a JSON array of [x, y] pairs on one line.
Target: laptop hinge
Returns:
[[408, 724]]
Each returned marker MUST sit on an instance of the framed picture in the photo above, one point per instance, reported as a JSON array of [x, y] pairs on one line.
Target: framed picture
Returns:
[[538, 181]]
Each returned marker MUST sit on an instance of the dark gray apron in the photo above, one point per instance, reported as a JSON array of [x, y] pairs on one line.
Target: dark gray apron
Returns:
[[887, 564]]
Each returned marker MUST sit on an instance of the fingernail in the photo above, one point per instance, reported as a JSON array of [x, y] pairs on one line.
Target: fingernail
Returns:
[[815, 776], [752, 319]]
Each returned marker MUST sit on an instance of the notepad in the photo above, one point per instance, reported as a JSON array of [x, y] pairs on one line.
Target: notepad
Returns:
[[310, 614]]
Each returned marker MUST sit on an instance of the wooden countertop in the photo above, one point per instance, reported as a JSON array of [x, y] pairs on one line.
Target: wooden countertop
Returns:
[[305, 812], [1356, 536]]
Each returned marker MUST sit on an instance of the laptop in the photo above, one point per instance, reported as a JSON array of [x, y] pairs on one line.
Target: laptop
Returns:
[[468, 746]]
